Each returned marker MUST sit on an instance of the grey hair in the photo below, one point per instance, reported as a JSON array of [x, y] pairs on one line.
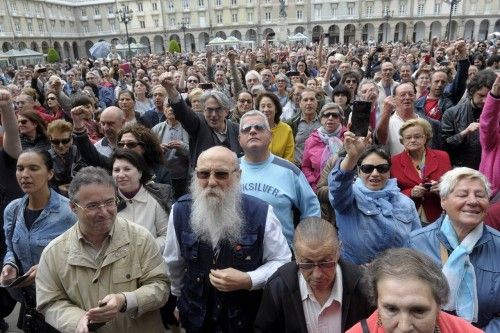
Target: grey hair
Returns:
[[315, 230], [451, 178], [254, 73], [88, 176], [218, 96], [404, 264], [281, 76], [255, 113], [368, 81]]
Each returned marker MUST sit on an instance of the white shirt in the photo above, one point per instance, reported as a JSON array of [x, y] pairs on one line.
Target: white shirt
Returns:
[[276, 253], [103, 147], [393, 143], [326, 318], [144, 210]]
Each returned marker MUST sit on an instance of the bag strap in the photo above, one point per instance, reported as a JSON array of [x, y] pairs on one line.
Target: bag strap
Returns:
[[443, 253], [10, 233], [364, 326]]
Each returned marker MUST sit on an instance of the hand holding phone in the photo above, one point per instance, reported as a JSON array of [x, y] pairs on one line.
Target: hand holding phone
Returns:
[[360, 119]]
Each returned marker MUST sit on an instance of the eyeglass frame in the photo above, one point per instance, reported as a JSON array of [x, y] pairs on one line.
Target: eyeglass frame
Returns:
[[321, 265], [106, 204]]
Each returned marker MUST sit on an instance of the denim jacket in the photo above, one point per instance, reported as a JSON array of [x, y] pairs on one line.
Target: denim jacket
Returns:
[[485, 260], [369, 222], [28, 245]]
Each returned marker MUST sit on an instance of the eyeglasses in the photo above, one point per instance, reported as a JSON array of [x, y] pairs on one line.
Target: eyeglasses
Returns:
[[129, 144], [416, 137], [20, 102], [192, 81], [57, 142], [219, 175], [247, 128], [244, 100], [216, 110], [22, 121], [330, 114], [350, 81], [321, 265], [94, 206], [51, 98], [368, 168]]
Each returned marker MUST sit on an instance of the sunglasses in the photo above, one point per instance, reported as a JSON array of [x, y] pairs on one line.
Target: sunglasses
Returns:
[[192, 81], [51, 98], [130, 144], [247, 128], [330, 114], [57, 142], [22, 121], [243, 100], [321, 265], [219, 175], [368, 168]]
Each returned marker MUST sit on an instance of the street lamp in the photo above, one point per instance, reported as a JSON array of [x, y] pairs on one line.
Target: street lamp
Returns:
[[452, 3], [183, 25], [125, 15], [387, 16]]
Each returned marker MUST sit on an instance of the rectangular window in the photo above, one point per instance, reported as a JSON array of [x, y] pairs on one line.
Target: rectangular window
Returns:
[[234, 2], [234, 18], [437, 9], [455, 9], [30, 27], [249, 17], [300, 14], [334, 10], [111, 10], [201, 3], [267, 1], [40, 26], [186, 4], [112, 25], [172, 22], [155, 6], [369, 11], [13, 6], [249, 2], [53, 24], [143, 24], [170, 5], [350, 11], [218, 3], [96, 11], [17, 26], [268, 16], [140, 7], [2, 29], [420, 9], [99, 27], [402, 9], [219, 18], [86, 29], [156, 22], [317, 11], [84, 12]]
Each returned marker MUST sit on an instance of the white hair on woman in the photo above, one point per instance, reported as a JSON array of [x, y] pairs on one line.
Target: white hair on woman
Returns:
[[450, 180]]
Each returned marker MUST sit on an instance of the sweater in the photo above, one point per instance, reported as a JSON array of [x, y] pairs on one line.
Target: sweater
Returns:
[[489, 136], [282, 144]]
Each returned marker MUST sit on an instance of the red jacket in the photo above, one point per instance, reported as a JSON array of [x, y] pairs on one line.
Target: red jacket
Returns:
[[437, 162]]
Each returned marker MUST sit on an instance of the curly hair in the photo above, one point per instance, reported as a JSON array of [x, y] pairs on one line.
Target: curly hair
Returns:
[[153, 154]]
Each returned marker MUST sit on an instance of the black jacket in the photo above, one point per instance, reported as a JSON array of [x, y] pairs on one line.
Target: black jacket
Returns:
[[201, 135], [281, 307]]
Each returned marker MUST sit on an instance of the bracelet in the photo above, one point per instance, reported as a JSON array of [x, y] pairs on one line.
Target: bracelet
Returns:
[[124, 306]]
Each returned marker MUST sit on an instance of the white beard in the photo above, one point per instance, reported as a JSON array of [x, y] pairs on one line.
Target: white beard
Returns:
[[216, 214]]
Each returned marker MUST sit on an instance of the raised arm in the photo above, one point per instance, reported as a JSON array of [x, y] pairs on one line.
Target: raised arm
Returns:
[[490, 117], [382, 131], [11, 140]]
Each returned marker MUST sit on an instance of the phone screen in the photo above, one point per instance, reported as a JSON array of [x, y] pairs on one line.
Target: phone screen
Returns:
[[360, 118], [206, 86]]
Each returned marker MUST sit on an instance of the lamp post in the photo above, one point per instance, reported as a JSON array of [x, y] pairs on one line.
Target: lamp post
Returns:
[[387, 16], [125, 15], [452, 3], [183, 25]]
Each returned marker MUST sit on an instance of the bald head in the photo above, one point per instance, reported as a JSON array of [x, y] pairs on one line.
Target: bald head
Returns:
[[219, 153], [112, 120]]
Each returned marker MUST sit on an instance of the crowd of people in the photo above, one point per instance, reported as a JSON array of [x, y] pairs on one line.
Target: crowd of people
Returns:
[[230, 190]]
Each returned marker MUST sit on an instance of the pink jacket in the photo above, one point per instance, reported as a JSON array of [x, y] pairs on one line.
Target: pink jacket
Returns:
[[313, 153], [489, 136]]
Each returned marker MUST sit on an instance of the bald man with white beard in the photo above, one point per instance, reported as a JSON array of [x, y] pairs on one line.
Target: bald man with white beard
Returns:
[[221, 248]]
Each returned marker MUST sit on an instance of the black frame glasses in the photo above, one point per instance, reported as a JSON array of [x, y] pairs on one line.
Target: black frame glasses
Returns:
[[381, 168], [218, 174], [57, 142], [321, 265], [129, 144]]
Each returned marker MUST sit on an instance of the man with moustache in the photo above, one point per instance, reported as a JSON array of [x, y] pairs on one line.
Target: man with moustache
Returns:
[[221, 248]]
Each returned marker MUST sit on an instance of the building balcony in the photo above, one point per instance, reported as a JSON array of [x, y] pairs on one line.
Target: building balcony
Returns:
[[14, 13], [111, 16], [84, 18], [97, 17]]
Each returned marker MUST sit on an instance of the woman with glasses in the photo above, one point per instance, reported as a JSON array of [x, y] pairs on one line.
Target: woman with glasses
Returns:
[[139, 199], [65, 156], [418, 168], [282, 88], [282, 142], [53, 109], [30, 223], [371, 213], [323, 143], [143, 101], [292, 107], [244, 103], [423, 81], [32, 130]]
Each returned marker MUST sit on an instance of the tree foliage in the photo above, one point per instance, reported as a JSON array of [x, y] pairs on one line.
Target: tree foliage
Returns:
[[174, 47], [53, 56]]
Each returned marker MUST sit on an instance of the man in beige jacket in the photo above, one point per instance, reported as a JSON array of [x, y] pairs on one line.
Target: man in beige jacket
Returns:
[[104, 269]]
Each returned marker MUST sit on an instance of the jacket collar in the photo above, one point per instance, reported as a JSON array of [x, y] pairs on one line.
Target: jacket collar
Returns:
[[485, 238]]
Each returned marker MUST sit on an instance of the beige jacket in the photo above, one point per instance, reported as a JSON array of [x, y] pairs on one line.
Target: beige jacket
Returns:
[[69, 282]]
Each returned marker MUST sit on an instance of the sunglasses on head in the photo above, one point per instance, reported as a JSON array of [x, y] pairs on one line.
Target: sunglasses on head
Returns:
[[247, 128], [381, 168], [57, 142], [220, 175], [130, 144]]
